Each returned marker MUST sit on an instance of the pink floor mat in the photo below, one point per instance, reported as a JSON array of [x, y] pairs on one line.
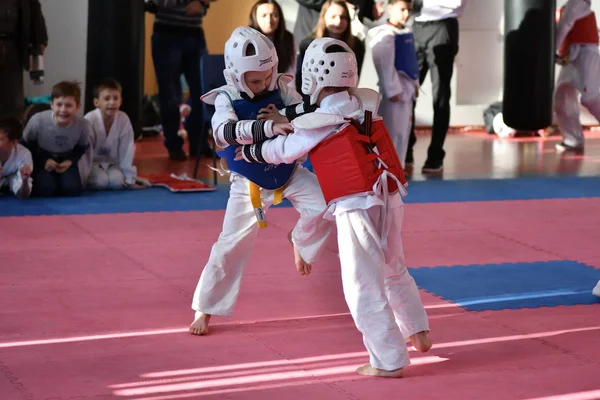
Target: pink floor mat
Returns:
[[98, 307]]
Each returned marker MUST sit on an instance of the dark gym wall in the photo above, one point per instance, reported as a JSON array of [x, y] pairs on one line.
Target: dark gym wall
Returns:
[[528, 63], [115, 48]]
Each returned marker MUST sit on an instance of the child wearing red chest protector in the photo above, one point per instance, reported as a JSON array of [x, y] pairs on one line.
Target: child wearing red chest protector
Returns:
[[361, 178]]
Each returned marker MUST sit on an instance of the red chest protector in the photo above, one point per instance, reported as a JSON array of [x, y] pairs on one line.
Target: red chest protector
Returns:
[[346, 165], [584, 31]]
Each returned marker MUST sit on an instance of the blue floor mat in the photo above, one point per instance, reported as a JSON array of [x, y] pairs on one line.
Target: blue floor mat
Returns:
[[511, 286], [159, 199]]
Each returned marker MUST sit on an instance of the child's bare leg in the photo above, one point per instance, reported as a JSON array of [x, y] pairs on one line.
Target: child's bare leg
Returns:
[[368, 370], [421, 342], [200, 324], [302, 266]]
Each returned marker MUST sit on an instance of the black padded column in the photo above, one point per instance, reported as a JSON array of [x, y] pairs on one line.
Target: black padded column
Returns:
[[115, 48], [528, 63]]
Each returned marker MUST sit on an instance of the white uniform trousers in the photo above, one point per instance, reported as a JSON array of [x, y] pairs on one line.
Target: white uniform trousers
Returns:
[[219, 284], [381, 295], [397, 117], [580, 76], [106, 178]]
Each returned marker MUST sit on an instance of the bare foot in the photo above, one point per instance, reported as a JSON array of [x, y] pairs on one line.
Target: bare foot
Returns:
[[200, 324], [421, 342], [302, 266], [368, 370]]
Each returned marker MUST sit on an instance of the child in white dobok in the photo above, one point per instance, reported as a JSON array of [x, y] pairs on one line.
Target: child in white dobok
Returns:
[[361, 177], [577, 50], [113, 146], [395, 59], [253, 87]]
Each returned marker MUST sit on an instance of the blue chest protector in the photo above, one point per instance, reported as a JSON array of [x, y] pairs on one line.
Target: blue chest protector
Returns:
[[406, 55], [267, 176]]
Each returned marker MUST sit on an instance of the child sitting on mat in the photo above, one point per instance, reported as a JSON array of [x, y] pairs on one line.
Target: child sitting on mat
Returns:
[[112, 141], [16, 163]]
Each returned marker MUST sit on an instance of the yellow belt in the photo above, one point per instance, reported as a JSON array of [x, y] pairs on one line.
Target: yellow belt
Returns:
[[257, 202]]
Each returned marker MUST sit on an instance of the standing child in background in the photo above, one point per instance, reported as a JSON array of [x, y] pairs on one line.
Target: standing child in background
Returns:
[[112, 140], [577, 51], [57, 139], [253, 85], [361, 176], [395, 59], [16, 163]]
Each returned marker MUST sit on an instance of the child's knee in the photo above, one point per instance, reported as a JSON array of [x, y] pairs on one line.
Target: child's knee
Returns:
[[44, 185], [71, 188], [116, 179], [98, 179], [70, 183]]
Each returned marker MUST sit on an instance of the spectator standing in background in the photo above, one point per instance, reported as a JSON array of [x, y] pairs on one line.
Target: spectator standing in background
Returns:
[[22, 35], [178, 43]]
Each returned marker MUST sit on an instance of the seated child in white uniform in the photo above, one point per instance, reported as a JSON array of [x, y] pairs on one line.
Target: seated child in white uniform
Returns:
[[360, 175], [395, 59], [253, 85], [112, 141], [16, 163]]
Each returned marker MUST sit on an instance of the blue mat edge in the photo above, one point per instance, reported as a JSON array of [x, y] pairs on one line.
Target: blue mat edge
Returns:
[[593, 300], [420, 192]]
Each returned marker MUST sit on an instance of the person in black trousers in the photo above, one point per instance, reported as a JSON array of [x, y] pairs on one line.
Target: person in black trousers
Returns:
[[435, 29]]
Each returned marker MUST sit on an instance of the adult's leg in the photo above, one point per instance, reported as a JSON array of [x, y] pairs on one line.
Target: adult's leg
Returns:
[[45, 184], [11, 79], [442, 49], [421, 39], [193, 52], [167, 56]]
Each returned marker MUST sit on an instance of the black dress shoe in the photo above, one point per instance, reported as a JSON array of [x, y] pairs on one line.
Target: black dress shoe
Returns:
[[177, 155]]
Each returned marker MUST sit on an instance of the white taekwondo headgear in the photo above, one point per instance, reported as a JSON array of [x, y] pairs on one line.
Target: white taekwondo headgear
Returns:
[[321, 69], [237, 63]]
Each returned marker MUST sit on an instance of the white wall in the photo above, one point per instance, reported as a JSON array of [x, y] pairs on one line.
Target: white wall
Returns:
[[65, 57], [478, 74]]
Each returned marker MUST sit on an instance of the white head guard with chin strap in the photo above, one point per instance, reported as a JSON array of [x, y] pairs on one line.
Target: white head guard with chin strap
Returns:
[[237, 62], [321, 69]]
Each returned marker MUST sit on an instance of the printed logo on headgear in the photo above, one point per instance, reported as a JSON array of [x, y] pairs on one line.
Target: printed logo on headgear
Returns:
[[348, 74], [263, 62]]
